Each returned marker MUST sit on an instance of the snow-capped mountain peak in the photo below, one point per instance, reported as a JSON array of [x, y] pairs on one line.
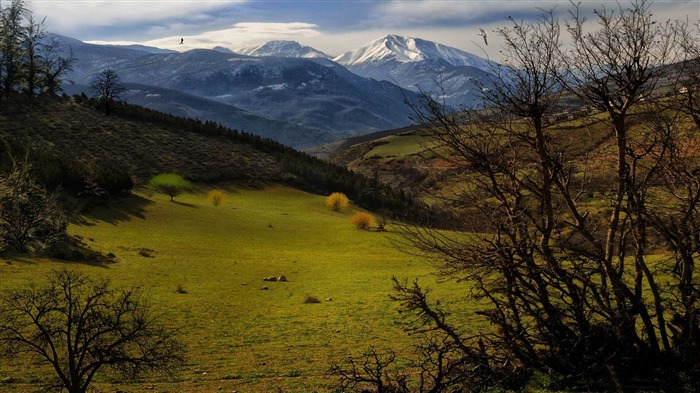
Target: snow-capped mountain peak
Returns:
[[282, 49], [407, 50]]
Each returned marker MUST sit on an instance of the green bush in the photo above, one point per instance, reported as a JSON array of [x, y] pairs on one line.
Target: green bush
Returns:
[[170, 184]]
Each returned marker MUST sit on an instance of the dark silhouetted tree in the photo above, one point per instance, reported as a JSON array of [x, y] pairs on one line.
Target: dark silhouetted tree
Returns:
[[81, 326], [30, 218], [108, 89], [560, 244], [53, 65], [12, 32], [34, 34]]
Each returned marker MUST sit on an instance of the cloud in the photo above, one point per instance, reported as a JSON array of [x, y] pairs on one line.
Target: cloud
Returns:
[[240, 34], [439, 12], [401, 13], [67, 16]]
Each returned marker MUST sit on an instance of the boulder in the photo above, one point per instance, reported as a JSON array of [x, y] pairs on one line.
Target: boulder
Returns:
[[282, 278]]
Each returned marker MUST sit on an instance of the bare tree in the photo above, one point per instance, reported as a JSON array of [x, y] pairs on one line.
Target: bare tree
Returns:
[[81, 326], [563, 249], [34, 34], [108, 89], [685, 79], [53, 65], [11, 38]]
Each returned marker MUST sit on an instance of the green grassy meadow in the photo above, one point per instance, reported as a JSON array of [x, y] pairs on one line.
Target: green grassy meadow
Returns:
[[240, 337], [400, 145]]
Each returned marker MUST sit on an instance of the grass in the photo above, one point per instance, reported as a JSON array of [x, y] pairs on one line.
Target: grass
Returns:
[[401, 145], [240, 337]]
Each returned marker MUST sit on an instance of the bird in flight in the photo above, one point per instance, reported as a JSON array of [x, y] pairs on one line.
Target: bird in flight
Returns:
[[482, 33], [182, 40]]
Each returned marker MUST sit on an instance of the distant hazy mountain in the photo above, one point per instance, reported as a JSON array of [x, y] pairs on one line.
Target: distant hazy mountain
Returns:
[[222, 49], [315, 97], [144, 48], [93, 58], [414, 63], [182, 104], [283, 49]]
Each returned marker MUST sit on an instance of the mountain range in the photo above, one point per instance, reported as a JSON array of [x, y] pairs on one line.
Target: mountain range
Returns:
[[282, 49], [417, 64], [284, 90]]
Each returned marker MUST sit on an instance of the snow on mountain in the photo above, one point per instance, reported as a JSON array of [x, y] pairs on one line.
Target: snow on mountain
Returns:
[[282, 49], [306, 101], [417, 64], [405, 50]]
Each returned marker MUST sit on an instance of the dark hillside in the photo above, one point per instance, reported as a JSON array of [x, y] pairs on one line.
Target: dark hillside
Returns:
[[72, 143], [65, 131]]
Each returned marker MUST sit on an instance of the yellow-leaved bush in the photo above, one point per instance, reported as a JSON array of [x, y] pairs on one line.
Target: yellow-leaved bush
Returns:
[[216, 197], [362, 221], [337, 201]]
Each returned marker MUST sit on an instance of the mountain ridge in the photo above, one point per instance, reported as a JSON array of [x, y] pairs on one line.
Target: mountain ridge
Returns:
[[447, 73], [282, 48], [309, 94], [408, 49]]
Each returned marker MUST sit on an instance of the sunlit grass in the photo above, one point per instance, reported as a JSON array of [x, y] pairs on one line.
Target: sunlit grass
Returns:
[[238, 335], [401, 145]]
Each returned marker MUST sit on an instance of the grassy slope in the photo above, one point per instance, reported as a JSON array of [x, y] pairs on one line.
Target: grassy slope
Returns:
[[409, 161], [62, 127], [242, 337]]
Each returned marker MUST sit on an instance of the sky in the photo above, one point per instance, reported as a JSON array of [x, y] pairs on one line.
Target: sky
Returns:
[[331, 26]]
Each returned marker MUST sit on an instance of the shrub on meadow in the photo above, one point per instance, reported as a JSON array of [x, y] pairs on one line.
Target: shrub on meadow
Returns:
[[170, 184], [216, 197], [362, 221], [337, 201]]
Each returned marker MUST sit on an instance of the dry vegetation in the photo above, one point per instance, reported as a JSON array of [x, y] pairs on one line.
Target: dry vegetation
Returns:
[[63, 128]]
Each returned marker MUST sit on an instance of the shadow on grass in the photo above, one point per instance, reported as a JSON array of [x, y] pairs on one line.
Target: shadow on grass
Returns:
[[73, 251], [122, 208], [29, 260], [185, 204]]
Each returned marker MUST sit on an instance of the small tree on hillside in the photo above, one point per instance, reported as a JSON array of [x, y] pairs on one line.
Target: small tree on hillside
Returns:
[[108, 89], [337, 201], [170, 184], [81, 326], [30, 218]]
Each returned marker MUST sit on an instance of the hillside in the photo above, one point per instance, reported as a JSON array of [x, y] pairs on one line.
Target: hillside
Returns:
[[64, 129], [182, 104], [71, 142]]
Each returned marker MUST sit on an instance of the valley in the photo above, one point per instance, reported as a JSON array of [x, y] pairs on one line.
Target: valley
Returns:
[[238, 336], [405, 217]]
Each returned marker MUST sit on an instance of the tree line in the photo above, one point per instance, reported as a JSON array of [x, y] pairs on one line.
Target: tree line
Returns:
[[31, 61]]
